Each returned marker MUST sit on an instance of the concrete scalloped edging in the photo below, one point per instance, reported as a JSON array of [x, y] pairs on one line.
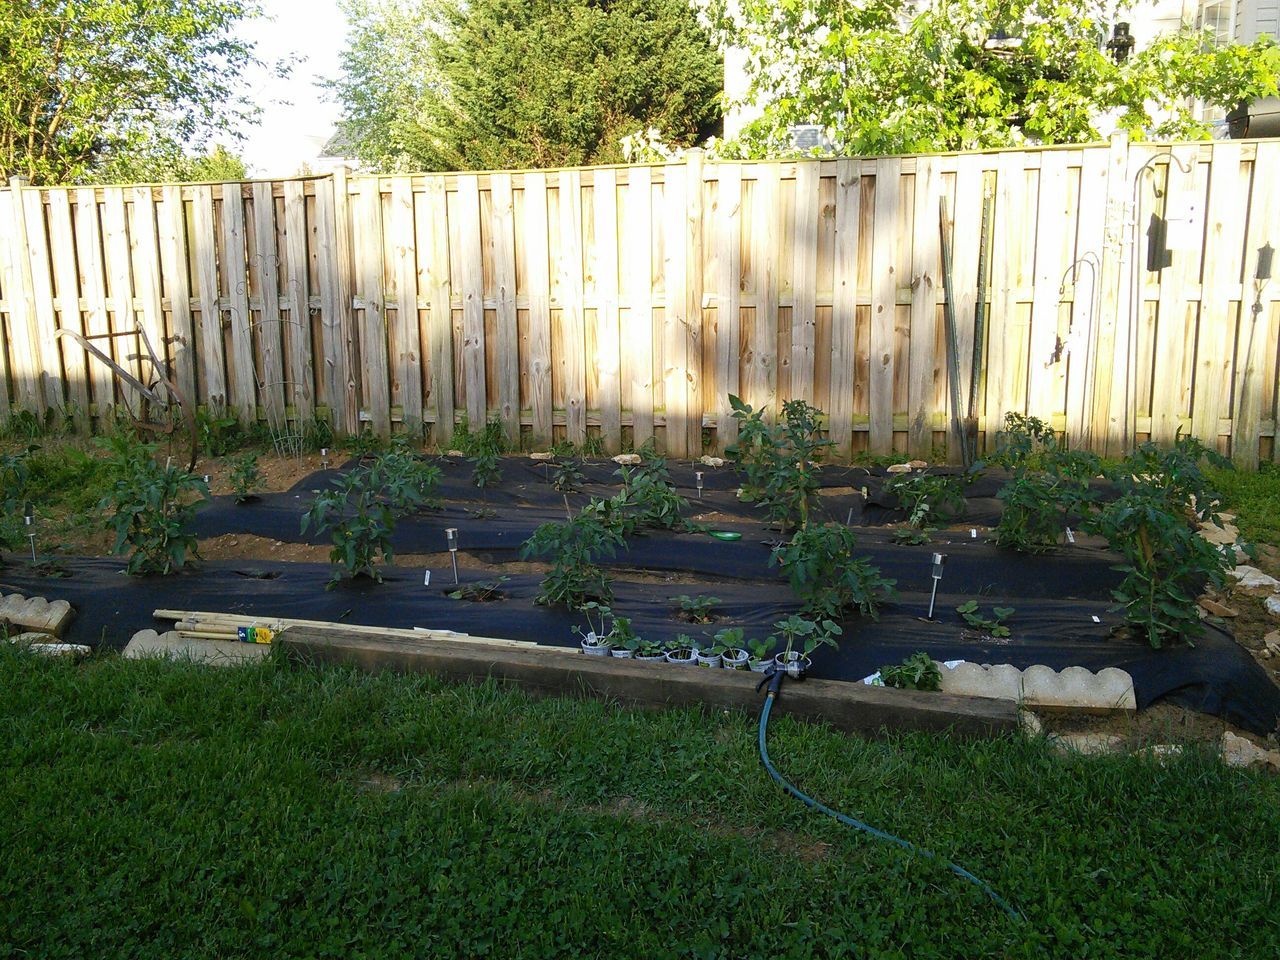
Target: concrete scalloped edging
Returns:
[[36, 614], [1042, 688]]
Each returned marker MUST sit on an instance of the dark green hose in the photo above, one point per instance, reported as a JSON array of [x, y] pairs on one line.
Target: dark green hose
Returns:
[[867, 828]]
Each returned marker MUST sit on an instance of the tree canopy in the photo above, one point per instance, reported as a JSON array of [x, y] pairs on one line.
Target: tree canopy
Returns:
[[86, 84], [896, 76], [473, 84]]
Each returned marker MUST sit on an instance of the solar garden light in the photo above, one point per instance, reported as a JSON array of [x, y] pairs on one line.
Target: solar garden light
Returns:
[[29, 521], [451, 537], [939, 561], [324, 458], [697, 477]]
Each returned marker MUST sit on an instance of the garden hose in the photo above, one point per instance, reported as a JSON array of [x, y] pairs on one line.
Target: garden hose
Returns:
[[774, 680]]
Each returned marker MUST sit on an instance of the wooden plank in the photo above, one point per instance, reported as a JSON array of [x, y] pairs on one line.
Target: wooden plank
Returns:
[[1053, 220], [120, 284], [174, 265], [62, 245], [265, 266], [440, 318], [925, 285], [1184, 220], [675, 340], [608, 351], [1086, 280], [212, 350], [405, 331], [298, 351], [44, 318], [236, 281], [335, 373], [1105, 427], [145, 250], [844, 311], [1003, 340], [639, 302], [728, 287], [538, 278], [573, 362], [804, 281], [93, 291], [471, 281], [555, 672], [370, 270], [344, 258], [765, 217], [1215, 343], [1254, 391], [966, 243], [694, 320], [506, 319], [884, 297]]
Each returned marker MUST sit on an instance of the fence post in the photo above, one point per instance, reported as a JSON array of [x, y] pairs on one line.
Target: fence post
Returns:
[[1103, 434], [343, 253]]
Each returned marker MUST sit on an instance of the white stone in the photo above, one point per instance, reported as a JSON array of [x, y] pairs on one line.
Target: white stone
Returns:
[[1252, 580], [1087, 743], [1225, 535], [172, 646], [1160, 752], [917, 464], [898, 468], [711, 461], [1030, 723], [39, 643], [1239, 752], [542, 456], [1272, 604], [454, 453], [628, 459]]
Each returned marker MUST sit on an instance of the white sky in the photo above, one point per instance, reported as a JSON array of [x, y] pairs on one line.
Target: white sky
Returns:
[[297, 118]]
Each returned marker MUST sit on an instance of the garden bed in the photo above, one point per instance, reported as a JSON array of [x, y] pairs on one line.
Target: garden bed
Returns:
[[1061, 599]]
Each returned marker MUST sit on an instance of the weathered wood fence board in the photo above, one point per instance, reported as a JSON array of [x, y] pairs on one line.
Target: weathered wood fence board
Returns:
[[1127, 294]]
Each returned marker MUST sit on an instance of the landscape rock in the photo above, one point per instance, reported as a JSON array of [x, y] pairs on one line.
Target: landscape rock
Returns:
[[1253, 581], [1271, 642], [35, 614], [628, 459], [1030, 723], [1003, 681], [1239, 752], [1216, 608], [917, 464], [1088, 744], [454, 453], [1225, 535], [712, 461], [898, 468], [545, 455], [1160, 752], [1273, 605]]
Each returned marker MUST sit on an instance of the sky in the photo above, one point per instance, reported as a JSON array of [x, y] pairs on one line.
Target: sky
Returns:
[[297, 118]]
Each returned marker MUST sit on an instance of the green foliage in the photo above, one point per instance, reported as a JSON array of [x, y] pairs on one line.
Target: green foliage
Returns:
[[916, 672], [928, 498], [566, 477], [1033, 511], [88, 83], [493, 84], [648, 499], [218, 431], [993, 625], [366, 443], [699, 609], [779, 459], [804, 635], [826, 576], [149, 508], [360, 510], [762, 649], [482, 591], [161, 159], [1023, 442], [893, 76], [1254, 496], [573, 548], [486, 448], [13, 491], [245, 476]]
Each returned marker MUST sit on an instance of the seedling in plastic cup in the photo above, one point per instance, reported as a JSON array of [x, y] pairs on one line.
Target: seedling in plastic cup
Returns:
[[451, 537]]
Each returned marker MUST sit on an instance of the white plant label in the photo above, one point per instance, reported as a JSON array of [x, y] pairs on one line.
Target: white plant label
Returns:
[[426, 578], [1071, 537], [973, 533], [1096, 618]]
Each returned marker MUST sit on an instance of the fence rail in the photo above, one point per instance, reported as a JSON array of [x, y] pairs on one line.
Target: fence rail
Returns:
[[1125, 293]]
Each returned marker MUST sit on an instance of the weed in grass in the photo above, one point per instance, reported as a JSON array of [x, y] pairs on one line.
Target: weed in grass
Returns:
[[916, 672]]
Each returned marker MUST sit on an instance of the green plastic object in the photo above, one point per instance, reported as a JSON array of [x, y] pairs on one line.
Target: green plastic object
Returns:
[[725, 534]]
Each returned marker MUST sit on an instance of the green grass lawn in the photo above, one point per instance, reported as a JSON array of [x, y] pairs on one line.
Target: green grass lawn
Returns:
[[165, 810], [1254, 496]]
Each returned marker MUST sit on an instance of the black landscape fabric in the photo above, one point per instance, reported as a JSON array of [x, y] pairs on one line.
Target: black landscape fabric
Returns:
[[1062, 599]]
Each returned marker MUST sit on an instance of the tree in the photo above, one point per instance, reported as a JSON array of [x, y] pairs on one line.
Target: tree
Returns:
[[473, 84], [896, 76], [165, 161], [83, 83]]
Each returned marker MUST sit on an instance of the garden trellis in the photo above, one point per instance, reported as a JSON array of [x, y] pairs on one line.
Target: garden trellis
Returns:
[[1127, 295]]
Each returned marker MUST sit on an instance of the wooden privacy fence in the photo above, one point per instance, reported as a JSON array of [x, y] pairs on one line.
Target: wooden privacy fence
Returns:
[[1124, 291]]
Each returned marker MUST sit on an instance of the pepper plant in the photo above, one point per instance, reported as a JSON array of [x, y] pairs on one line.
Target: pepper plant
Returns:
[[928, 498], [573, 548], [149, 508], [245, 477], [825, 575]]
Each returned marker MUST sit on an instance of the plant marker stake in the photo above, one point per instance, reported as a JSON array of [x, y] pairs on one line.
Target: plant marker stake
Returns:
[[939, 561], [29, 520], [697, 477], [451, 536], [848, 521]]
